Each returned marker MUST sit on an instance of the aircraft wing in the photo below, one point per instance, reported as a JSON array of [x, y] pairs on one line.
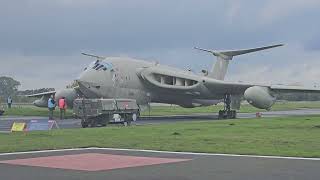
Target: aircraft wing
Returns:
[[292, 89], [224, 87], [49, 93], [238, 88], [185, 82]]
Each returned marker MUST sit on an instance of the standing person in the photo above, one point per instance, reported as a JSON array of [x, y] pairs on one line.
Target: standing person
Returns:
[[51, 106], [9, 102], [1, 108], [62, 107]]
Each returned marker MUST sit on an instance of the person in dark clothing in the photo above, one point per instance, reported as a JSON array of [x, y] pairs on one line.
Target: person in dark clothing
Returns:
[[9, 102]]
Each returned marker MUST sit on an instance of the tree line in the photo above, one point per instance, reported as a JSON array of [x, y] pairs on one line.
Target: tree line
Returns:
[[10, 87]]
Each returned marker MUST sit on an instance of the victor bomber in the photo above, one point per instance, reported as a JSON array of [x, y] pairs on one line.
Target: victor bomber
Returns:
[[145, 82]]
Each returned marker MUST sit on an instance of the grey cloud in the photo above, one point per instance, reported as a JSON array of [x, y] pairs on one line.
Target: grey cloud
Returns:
[[313, 44], [51, 34], [114, 25]]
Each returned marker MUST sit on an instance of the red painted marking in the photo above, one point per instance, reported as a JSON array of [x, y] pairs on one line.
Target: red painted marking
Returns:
[[91, 161]]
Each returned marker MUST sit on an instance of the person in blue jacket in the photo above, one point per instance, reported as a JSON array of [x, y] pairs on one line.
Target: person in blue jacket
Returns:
[[51, 106]]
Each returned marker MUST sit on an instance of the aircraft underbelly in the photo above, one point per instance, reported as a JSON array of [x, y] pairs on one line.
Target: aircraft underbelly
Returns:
[[120, 92]]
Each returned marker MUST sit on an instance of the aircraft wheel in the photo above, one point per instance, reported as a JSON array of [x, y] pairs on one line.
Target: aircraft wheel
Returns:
[[84, 124], [220, 114], [129, 123], [93, 123], [234, 116], [1, 112], [229, 114]]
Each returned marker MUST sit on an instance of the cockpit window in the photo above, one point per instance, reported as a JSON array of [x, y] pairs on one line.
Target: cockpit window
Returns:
[[91, 65], [100, 65], [95, 66]]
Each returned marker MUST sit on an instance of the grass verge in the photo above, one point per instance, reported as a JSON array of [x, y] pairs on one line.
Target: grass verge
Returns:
[[177, 110], [283, 136]]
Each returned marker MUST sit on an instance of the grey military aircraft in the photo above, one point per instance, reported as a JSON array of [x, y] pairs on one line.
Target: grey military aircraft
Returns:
[[119, 77]]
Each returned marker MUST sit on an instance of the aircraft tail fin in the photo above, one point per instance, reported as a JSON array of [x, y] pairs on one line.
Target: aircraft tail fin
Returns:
[[219, 69]]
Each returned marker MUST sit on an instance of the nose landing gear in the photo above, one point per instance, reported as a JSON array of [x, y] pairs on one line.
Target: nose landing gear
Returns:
[[227, 113]]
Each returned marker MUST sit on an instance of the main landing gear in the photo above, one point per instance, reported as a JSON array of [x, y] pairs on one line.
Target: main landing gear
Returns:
[[227, 113]]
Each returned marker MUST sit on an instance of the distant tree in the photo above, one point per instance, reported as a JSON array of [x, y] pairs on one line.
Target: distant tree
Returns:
[[8, 86], [299, 96]]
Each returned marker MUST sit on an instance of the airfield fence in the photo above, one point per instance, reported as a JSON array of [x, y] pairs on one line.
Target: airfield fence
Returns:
[[16, 105]]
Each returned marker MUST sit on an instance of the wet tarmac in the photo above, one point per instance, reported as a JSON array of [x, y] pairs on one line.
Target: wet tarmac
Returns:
[[104, 163]]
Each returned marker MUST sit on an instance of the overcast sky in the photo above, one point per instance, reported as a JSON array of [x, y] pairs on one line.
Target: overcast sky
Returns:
[[41, 40]]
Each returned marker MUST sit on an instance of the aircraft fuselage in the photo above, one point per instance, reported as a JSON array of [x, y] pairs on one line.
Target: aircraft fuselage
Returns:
[[123, 78]]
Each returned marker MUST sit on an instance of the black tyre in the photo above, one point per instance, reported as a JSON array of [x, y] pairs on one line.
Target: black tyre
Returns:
[[138, 114], [129, 122], [229, 114], [234, 115], [93, 123], [84, 124], [220, 114]]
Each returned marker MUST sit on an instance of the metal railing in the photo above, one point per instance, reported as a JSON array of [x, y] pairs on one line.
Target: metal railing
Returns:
[[15, 105]]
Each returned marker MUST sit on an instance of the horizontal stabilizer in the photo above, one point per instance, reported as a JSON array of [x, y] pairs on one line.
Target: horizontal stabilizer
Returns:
[[228, 54], [95, 56], [219, 69]]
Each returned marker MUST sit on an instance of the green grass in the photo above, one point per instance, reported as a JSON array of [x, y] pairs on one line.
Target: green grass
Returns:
[[285, 136], [33, 111], [177, 110]]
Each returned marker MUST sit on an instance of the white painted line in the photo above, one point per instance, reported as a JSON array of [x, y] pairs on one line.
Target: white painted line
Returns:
[[44, 151], [5, 132], [209, 154], [162, 152]]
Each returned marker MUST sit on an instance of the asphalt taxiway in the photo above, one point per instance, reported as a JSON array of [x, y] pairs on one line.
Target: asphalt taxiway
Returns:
[[7, 121], [104, 163]]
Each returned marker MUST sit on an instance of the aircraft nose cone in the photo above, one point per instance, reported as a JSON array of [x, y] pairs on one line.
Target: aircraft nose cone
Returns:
[[86, 76], [90, 82], [87, 88]]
